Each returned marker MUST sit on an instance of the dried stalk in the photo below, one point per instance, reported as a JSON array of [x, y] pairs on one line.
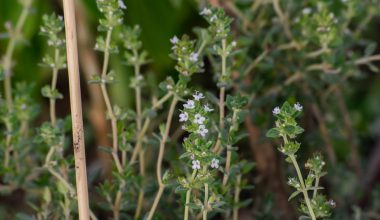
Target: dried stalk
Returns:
[[76, 109]]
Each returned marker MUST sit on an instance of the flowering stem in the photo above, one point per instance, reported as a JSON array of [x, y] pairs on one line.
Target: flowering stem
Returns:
[[304, 191], [188, 195], [161, 157], [235, 213]]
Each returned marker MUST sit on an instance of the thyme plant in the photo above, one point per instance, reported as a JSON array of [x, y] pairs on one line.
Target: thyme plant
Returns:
[[181, 145], [315, 206]]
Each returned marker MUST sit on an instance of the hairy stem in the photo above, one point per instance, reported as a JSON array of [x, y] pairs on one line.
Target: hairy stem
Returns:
[[161, 157], [304, 191], [235, 212]]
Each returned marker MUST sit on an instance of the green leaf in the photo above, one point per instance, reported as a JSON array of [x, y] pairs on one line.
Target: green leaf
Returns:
[[287, 108], [293, 195], [273, 133], [290, 129]]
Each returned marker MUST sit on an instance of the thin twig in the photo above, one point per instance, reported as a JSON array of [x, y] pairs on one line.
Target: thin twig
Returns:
[[235, 212], [164, 138]]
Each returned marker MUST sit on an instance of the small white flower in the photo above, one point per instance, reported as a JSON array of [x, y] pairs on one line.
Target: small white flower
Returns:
[[276, 111], [298, 107], [196, 165], [202, 130], [174, 40], [189, 104], [198, 96], [199, 119], [306, 11], [183, 116], [234, 43], [207, 109], [194, 57], [332, 203], [205, 11], [122, 5], [192, 156], [213, 18], [215, 163], [60, 17]]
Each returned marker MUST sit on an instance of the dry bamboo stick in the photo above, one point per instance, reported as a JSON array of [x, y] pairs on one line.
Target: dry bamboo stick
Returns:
[[76, 109]]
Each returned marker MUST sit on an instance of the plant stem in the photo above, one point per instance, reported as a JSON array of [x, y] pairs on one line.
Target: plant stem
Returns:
[[304, 191], [235, 212], [76, 109], [186, 214], [205, 203], [118, 200], [229, 153], [315, 187], [111, 114], [136, 149], [283, 19], [110, 111], [161, 157], [188, 195], [222, 92], [155, 203], [7, 60], [53, 117], [138, 123]]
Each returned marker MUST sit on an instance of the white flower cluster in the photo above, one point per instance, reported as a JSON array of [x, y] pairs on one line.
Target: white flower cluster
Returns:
[[197, 115]]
